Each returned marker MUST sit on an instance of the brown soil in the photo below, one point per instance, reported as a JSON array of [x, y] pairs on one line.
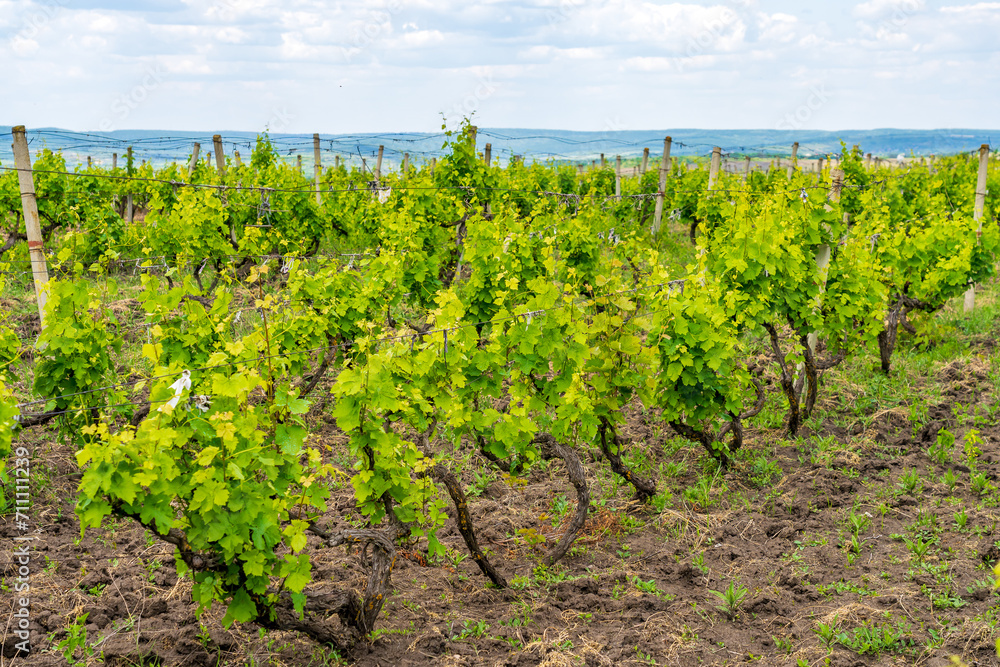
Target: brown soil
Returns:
[[636, 587]]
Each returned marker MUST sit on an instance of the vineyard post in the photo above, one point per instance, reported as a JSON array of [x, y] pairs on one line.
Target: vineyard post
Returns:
[[746, 167], [237, 159], [713, 169], [660, 195], [220, 157], [618, 177], [89, 162], [795, 160], [819, 166], [977, 214], [129, 211], [645, 162], [195, 152], [336, 162], [434, 162], [603, 163], [406, 163], [319, 167], [298, 163], [868, 161], [36, 247], [378, 164], [114, 161]]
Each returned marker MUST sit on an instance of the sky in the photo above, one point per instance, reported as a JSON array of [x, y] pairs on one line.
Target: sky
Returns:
[[305, 66]]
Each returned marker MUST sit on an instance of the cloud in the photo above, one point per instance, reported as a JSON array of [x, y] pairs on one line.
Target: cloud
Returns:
[[568, 63], [978, 8]]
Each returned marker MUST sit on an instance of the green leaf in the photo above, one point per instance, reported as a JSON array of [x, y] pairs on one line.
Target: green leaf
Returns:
[[241, 609]]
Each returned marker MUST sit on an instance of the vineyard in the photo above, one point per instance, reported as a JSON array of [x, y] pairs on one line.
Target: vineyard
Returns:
[[473, 413]]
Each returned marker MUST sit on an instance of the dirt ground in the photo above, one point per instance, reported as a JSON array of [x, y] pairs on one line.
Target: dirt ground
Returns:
[[853, 544]]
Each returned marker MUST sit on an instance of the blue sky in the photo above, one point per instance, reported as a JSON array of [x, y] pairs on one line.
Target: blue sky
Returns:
[[399, 65]]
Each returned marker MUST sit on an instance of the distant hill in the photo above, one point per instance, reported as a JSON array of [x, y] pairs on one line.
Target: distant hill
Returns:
[[161, 146]]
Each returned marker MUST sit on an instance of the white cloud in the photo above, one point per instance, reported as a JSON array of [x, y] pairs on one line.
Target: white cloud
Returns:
[[978, 8], [232, 63]]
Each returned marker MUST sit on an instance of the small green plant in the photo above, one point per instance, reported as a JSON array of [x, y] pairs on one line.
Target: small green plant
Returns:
[[918, 546], [981, 484], [909, 482], [961, 518], [471, 629], [971, 447], [698, 560], [76, 638], [645, 658], [783, 644], [950, 479], [649, 587], [827, 632], [732, 599], [858, 523], [872, 639], [940, 451]]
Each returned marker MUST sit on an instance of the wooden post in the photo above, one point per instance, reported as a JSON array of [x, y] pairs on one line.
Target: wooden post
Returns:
[[89, 163], [129, 210], [488, 154], [977, 213], [434, 162], [220, 157], [593, 164], [194, 159], [868, 161], [618, 177], [336, 162], [114, 160], [664, 171], [298, 163], [645, 162], [713, 169], [819, 165], [378, 164], [795, 160], [29, 205], [603, 163], [237, 159], [319, 167], [746, 167], [406, 163], [838, 184]]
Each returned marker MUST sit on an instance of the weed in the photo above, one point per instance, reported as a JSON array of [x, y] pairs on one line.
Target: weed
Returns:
[[76, 638], [940, 451], [471, 629], [784, 645], [909, 482], [872, 639], [732, 599], [650, 587]]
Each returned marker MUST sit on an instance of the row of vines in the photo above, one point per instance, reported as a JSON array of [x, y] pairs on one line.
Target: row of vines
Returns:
[[516, 309]]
